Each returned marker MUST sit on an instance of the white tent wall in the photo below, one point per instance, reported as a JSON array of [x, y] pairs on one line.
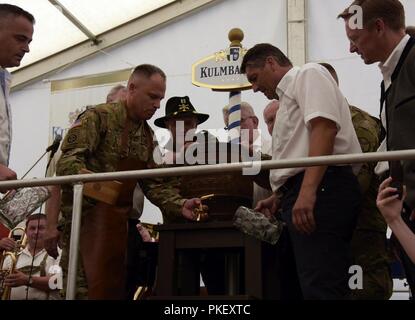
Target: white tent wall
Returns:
[[176, 46], [30, 114]]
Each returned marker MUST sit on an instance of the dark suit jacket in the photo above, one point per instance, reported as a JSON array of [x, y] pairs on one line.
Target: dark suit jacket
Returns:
[[400, 114]]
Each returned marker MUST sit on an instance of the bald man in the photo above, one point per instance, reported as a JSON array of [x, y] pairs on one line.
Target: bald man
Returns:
[[270, 112]]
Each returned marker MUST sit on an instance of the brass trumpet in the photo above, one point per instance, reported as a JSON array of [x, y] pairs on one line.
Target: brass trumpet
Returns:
[[14, 255]]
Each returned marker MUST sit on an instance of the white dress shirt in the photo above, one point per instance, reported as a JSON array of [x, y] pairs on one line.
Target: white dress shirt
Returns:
[[24, 260], [305, 94]]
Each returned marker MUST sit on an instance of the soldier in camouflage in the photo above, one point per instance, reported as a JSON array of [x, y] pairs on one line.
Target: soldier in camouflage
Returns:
[[107, 138], [369, 238]]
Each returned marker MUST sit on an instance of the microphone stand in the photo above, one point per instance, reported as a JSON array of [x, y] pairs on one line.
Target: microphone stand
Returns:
[[38, 221], [41, 157], [27, 172], [52, 154], [40, 210]]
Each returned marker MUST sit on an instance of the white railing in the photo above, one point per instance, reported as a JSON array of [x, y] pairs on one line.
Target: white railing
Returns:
[[79, 179]]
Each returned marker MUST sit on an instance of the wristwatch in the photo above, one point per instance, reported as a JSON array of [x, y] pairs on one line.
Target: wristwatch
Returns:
[[30, 282]]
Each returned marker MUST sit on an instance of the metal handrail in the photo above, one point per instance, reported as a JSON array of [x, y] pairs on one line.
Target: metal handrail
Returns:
[[79, 179], [74, 241], [215, 168]]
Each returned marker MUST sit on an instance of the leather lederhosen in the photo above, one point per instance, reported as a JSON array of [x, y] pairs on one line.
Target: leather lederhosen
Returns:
[[104, 237]]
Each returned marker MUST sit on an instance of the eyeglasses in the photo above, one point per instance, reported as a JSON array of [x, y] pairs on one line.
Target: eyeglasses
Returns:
[[241, 121], [244, 119]]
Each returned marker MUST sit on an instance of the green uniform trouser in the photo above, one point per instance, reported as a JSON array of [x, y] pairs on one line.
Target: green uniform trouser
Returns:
[[370, 252], [81, 282]]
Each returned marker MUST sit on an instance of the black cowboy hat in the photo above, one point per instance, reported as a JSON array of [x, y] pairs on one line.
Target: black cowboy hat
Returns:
[[179, 106]]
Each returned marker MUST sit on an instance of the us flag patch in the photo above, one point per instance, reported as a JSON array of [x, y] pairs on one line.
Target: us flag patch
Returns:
[[77, 123]]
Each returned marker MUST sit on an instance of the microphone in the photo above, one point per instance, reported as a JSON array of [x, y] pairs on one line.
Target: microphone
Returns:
[[54, 146]]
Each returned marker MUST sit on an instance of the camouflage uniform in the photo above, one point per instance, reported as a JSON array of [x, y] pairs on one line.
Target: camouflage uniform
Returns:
[[369, 238], [94, 142]]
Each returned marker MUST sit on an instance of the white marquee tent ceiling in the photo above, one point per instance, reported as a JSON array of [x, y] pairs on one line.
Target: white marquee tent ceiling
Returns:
[[68, 31], [54, 32]]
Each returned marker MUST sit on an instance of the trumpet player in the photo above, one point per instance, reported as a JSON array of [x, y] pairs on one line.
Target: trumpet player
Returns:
[[30, 274]]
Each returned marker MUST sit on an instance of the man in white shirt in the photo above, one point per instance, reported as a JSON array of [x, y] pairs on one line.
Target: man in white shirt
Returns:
[[256, 142], [387, 51], [319, 204], [382, 38], [34, 267], [16, 30]]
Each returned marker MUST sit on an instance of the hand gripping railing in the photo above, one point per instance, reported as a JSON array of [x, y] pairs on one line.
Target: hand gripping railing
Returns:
[[79, 179]]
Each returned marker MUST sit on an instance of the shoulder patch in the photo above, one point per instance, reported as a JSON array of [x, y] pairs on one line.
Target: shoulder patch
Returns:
[[72, 138], [75, 138]]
